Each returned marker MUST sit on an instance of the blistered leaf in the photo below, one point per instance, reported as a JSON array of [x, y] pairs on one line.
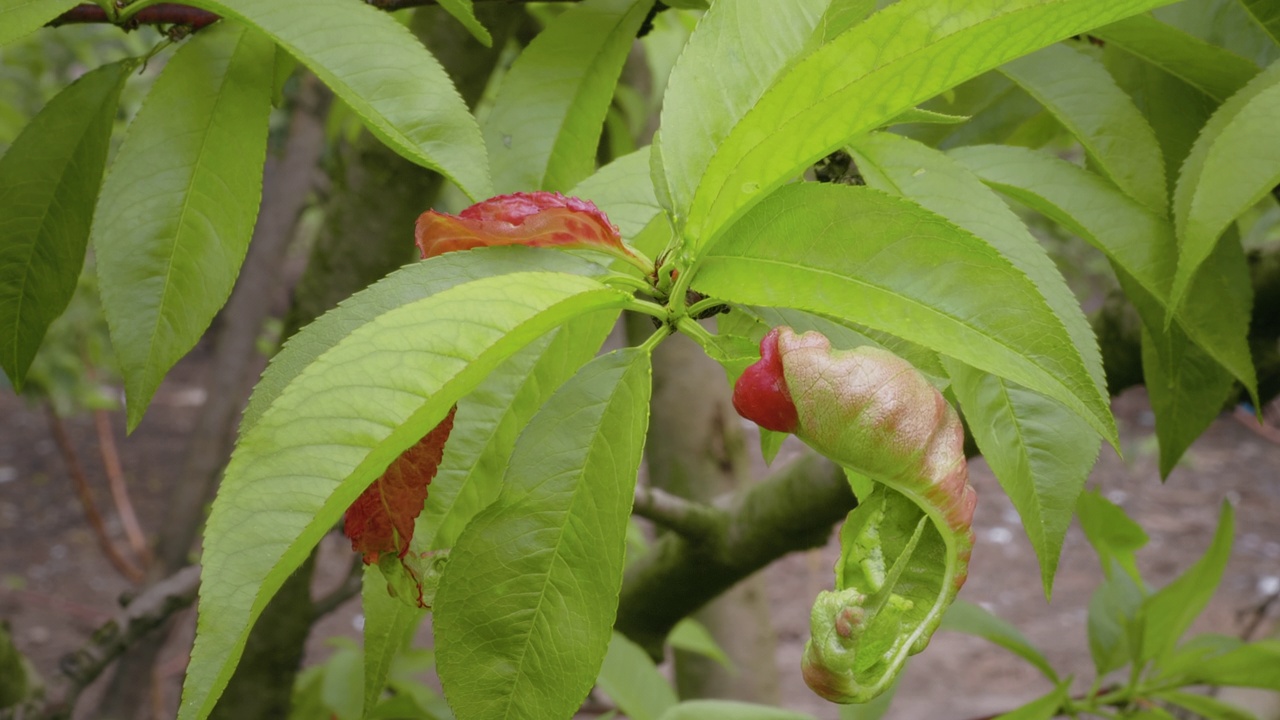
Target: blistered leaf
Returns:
[[537, 219]]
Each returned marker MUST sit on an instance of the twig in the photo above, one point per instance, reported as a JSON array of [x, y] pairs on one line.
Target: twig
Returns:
[[143, 614], [692, 520], [195, 18], [119, 491], [78, 478]]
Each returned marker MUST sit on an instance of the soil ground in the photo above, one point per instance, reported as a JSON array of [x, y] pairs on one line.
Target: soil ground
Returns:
[[56, 586]]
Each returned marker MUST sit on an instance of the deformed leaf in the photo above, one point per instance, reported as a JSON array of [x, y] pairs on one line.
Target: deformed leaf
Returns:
[[178, 207], [49, 180], [536, 219], [545, 124], [381, 519], [306, 459], [526, 606]]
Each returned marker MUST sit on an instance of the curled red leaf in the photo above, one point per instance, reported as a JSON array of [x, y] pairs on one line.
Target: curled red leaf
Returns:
[[380, 521], [537, 219]]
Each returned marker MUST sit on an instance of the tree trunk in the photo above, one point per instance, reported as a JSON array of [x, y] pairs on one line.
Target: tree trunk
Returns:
[[695, 449]]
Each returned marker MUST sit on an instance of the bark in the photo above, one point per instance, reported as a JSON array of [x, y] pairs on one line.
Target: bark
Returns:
[[695, 450]]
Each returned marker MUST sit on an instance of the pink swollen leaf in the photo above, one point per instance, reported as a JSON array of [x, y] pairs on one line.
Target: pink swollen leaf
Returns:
[[537, 219]]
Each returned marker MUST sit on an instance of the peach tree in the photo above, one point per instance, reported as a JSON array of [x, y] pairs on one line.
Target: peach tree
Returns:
[[826, 182]]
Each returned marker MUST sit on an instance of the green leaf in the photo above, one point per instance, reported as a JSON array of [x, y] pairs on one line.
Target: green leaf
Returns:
[[400, 91], [1040, 452], [629, 676], [545, 123], [692, 636], [624, 191], [49, 180], [19, 17], [842, 15], [490, 419], [1187, 390], [389, 626], [1175, 109], [1082, 95], [1234, 163], [972, 619], [1112, 623], [1020, 432], [178, 207], [1042, 708], [729, 710], [526, 606], [1139, 245], [1206, 707], [732, 57], [1267, 14], [464, 12], [1115, 537], [1255, 664], [1171, 610], [891, 265], [846, 87], [920, 115], [412, 282], [333, 430], [1216, 72]]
